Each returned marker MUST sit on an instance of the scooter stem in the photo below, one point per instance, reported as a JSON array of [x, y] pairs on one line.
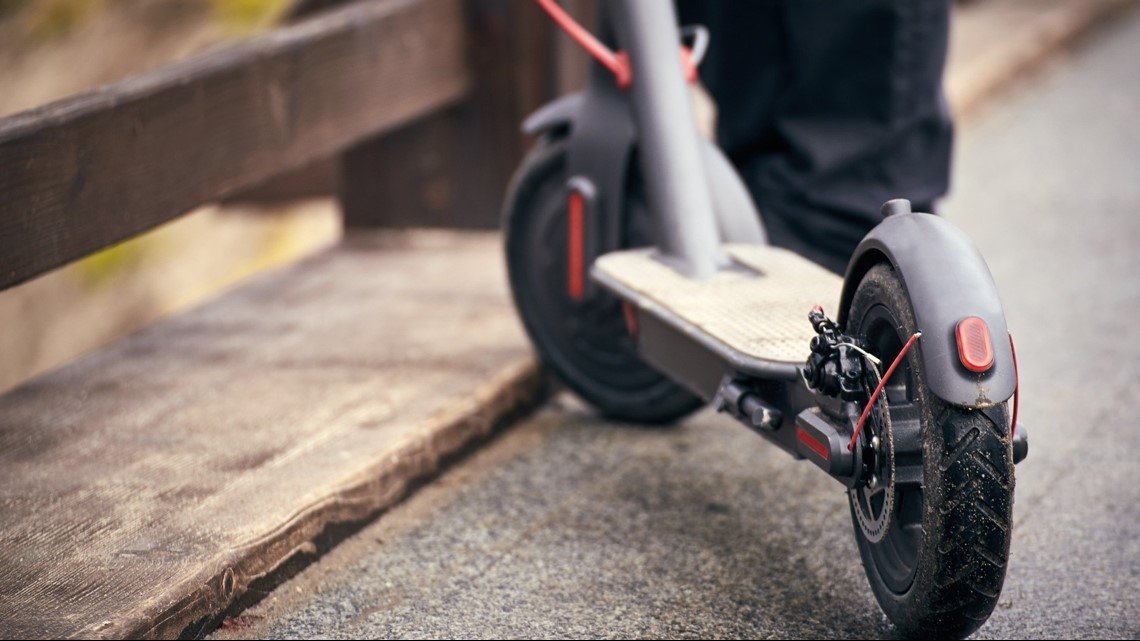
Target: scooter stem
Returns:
[[670, 154]]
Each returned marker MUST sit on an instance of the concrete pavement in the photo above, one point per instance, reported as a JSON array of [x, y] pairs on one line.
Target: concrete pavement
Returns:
[[571, 526]]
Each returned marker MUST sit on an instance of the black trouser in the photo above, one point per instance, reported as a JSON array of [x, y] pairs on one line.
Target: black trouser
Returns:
[[829, 108]]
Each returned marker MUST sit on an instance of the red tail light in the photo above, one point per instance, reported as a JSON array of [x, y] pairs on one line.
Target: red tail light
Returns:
[[974, 347]]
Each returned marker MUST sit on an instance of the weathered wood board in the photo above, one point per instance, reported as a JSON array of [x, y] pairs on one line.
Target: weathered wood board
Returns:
[[148, 484]]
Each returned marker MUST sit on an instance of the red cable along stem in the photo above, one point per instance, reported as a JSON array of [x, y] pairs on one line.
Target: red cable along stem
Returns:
[[616, 62], [1016, 388], [879, 390]]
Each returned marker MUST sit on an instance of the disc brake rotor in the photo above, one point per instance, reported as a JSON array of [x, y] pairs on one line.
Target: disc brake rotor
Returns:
[[875, 502]]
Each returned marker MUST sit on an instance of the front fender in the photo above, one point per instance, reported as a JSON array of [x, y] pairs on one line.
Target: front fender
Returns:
[[603, 139], [946, 280], [556, 114]]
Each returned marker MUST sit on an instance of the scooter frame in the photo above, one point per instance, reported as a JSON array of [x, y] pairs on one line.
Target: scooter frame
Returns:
[[930, 481], [698, 202]]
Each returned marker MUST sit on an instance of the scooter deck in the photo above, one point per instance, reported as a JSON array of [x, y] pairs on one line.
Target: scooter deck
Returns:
[[756, 307]]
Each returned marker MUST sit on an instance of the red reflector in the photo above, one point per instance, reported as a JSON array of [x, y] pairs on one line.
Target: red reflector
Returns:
[[576, 246], [974, 347], [691, 73], [813, 444], [631, 323]]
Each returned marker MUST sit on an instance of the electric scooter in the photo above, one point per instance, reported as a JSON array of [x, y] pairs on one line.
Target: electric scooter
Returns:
[[642, 273]]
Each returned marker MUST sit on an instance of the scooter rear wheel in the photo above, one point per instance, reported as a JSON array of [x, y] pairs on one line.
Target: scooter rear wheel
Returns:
[[939, 567], [585, 343]]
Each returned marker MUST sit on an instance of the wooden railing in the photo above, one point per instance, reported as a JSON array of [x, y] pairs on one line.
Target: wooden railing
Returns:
[[417, 102]]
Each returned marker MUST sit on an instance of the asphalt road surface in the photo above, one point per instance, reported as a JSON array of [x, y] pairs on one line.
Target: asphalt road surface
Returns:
[[570, 526]]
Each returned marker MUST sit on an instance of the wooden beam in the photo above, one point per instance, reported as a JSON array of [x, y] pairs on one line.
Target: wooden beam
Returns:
[[89, 171], [451, 168]]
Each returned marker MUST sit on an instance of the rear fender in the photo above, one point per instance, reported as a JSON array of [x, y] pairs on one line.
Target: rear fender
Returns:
[[946, 280]]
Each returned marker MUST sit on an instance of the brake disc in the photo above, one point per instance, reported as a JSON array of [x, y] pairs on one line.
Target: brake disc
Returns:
[[875, 501]]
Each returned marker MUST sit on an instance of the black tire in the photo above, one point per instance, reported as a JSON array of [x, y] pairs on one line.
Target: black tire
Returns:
[[585, 344], [939, 568]]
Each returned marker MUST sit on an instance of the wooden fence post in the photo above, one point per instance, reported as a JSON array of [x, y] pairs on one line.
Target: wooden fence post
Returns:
[[451, 168]]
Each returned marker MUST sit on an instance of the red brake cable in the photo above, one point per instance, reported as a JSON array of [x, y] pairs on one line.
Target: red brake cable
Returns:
[[879, 390], [615, 61], [894, 365]]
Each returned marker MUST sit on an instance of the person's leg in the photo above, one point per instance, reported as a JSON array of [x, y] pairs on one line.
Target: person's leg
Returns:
[[829, 108]]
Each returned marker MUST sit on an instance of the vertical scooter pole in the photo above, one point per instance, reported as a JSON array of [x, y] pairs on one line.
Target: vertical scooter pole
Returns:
[[676, 186]]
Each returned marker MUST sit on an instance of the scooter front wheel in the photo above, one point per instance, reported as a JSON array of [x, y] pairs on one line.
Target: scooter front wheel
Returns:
[[584, 342], [934, 527]]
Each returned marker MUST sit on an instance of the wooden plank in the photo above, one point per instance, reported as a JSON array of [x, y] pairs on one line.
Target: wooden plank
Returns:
[[451, 168], [314, 180], [83, 173], [149, 484]]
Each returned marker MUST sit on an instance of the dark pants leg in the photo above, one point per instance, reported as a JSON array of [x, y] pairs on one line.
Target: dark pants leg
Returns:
[[829, 108]]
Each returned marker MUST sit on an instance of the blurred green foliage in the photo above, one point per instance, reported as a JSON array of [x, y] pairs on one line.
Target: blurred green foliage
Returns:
[[248, 15], [102, 267], [47, 20]]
